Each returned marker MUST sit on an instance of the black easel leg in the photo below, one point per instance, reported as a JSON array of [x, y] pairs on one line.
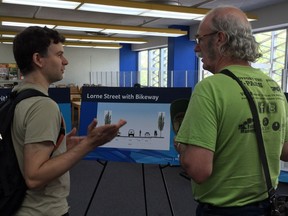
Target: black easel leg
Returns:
[[96, 186], [166, 189], [144, 188]]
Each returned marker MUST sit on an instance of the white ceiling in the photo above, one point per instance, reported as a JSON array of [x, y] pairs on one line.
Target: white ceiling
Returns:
[[104, 18]]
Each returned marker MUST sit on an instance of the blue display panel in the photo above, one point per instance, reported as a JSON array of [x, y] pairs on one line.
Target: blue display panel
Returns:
[[147, 137], [60, 95]]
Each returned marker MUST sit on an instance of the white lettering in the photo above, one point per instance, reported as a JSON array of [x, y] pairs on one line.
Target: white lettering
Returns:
[[94, 96], [107, 96]]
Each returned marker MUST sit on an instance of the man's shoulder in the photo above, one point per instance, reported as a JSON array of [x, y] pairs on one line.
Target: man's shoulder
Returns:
[[213, 80], [40, 99], [26, 86]]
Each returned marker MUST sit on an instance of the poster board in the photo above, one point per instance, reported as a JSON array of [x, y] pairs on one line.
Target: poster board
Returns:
[[147, 137], [60, 95]]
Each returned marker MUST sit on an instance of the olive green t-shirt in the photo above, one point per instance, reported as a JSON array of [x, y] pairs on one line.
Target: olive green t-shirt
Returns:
[[218, 118], [38, 119]]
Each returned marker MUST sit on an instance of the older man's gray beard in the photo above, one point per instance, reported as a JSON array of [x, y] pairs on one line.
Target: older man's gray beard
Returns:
[[199, 54]]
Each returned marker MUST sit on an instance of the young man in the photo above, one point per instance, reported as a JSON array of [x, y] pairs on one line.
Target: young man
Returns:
[[216, 141], [39, 55]]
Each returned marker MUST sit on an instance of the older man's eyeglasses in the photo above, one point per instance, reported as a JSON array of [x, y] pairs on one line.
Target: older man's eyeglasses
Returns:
[[198, 38]]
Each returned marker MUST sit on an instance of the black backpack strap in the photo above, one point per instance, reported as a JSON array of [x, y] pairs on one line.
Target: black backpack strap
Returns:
[[15, 98], [258, 132], [26, 94]]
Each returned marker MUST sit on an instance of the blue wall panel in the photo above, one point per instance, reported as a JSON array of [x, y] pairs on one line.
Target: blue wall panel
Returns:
[[186, 66], [128, 66]]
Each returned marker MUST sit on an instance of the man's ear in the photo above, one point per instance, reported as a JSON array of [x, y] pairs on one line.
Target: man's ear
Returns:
[[37, 59], [222, 38]]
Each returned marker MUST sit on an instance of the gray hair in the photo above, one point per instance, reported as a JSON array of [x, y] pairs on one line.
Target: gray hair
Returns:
[[241, 43]]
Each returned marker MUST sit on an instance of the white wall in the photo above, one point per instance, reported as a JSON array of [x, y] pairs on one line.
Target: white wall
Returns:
[[6, 54], [81, 62]]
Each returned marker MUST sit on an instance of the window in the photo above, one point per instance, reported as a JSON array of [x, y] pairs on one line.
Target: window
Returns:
[[153, 67], [273, 49]]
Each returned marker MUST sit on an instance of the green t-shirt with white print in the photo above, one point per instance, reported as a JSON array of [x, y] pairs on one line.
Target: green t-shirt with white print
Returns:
[[218, 118]]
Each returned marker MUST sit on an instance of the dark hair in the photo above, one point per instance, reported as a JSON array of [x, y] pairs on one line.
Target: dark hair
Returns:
[[137, 85], [32, 40]]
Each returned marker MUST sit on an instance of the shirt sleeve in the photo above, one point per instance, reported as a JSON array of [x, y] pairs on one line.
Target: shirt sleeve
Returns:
[[199, 126]]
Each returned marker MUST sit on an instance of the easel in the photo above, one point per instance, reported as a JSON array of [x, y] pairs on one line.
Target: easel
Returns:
[[166, 188], [161, 167], [104, 164]]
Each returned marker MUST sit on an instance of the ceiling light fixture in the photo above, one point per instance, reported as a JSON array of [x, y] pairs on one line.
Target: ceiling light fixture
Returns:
[[86, 38], [142, 9], [103, 39], [111, 9], [93, 45], [45, 3], [8, 36], [74, 28], [119, 7], [148, 9], [24, 25], [93, 27], [75, 44], [134, 8]]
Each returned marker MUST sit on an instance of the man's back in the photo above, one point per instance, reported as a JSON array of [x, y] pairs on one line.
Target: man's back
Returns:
[[219, 119], [38, 119]]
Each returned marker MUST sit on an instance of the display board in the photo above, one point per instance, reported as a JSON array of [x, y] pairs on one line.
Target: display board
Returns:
[[147, 137], [60, 95]]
